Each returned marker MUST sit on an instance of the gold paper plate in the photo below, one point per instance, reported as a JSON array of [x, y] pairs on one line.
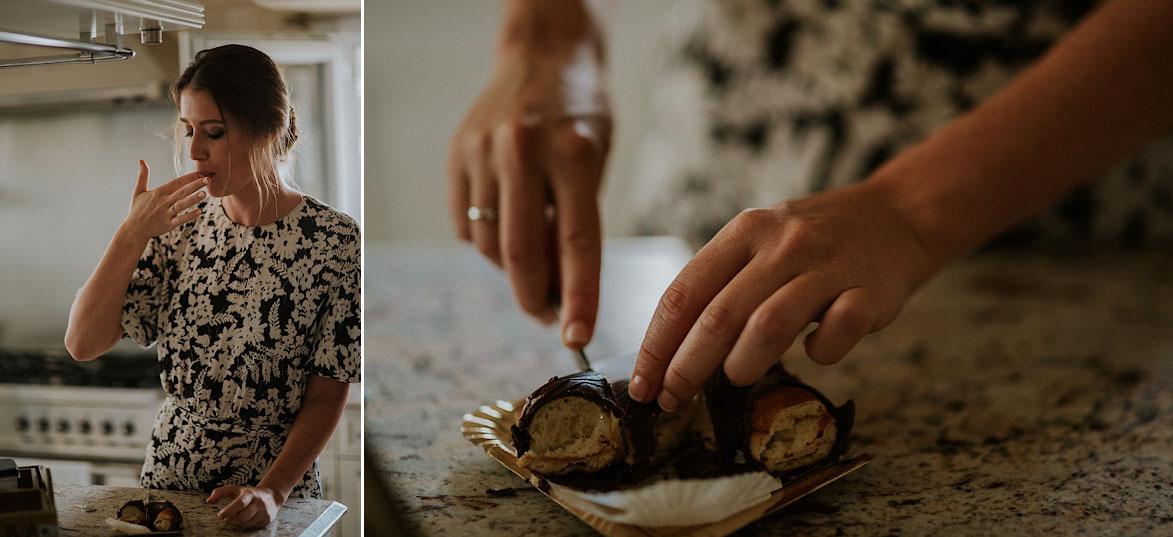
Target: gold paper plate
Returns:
[[488, 427]]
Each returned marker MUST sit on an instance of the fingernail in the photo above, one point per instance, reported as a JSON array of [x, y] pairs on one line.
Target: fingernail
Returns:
[[548, 318], [668, 402], [575, 334], [202, 195], [639, 389]]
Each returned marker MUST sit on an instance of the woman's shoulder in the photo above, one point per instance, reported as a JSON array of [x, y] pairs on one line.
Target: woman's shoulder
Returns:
[[332, 228]]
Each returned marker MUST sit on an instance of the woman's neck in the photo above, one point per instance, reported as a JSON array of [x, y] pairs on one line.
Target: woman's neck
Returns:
[[250, 208]]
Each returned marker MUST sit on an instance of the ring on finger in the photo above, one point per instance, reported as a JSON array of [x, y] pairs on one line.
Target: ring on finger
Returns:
[[173, 211], [487, 214]]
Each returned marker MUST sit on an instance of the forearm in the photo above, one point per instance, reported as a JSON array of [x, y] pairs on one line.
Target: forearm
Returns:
[[321, 408], [1097, 96], [95, 317]]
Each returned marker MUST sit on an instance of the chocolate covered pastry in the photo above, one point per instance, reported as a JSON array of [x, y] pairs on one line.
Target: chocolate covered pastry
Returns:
[[582, 423], [164, 516], [133, 512], [779, 424], [570, 424]]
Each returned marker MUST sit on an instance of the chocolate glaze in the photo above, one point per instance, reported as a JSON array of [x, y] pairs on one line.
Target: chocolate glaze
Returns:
[[730, 406], [639, 423], [588, 385]]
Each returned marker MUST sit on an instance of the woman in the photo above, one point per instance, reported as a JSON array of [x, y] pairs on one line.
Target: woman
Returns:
[[250, 289], [923, 129]]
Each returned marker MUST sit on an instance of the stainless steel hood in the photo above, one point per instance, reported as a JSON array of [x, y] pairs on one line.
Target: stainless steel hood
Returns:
[[91, 29]]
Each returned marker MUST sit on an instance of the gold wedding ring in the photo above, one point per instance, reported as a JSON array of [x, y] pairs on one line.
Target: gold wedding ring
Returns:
[[482, 213]]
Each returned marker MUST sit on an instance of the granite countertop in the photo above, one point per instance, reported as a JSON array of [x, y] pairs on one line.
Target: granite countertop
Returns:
[[297, 518], [1017, 393]]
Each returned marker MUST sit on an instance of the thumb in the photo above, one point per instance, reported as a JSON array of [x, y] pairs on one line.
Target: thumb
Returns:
[[143, 173], [227, 491]]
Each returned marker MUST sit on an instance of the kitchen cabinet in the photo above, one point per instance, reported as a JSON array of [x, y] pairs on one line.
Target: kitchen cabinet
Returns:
[[1016, 393], [83, 510]]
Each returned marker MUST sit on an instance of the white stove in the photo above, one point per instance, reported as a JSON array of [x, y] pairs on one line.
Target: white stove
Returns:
[[90, 423]]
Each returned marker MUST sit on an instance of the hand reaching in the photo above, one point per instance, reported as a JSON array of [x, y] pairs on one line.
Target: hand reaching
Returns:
[[844, 259], [250, 508]]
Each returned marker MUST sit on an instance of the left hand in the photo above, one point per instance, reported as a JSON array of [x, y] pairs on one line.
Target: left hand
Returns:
[[251, 507]]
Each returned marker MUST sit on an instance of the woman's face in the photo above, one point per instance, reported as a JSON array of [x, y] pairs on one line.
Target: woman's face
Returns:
[[225, 164]]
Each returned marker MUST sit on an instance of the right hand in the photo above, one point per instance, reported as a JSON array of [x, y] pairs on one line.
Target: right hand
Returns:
[[155, 212], [533, 147]]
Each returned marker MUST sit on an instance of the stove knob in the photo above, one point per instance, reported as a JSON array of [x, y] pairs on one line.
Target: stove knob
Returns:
[[43, 425], [22, 424], [128, 428], [107, 428], [63, 425], [84, 427]]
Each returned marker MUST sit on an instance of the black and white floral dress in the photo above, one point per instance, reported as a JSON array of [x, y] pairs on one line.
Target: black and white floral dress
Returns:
[[758, 101], [243, 316]]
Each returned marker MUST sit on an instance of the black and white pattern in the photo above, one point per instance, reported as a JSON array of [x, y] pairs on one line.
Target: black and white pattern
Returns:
[[759, 101], [243, 316]]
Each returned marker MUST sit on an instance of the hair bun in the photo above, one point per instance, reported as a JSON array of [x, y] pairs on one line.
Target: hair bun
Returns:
[[290, 132]]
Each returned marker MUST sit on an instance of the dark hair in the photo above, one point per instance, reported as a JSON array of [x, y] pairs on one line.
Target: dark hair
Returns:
[[246, 84]]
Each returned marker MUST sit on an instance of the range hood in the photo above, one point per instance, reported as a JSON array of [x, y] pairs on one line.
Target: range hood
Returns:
[[87, 31]]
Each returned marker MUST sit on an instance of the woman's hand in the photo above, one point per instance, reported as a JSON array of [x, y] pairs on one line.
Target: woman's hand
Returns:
[[531, 151], [251, 507], [845, 259], [155, 212]]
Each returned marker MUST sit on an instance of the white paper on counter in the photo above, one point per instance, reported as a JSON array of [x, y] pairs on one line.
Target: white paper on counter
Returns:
[[680, 502]]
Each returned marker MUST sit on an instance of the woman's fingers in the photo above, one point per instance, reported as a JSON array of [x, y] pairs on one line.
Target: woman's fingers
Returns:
[[259, 519], [183, 218], [483, 195], [144, 172], [578, 150], [186, 191], [680, 306], [458, 198], [243, 498], [175, 184], [524, 229], [775, 323], [227, 491], [852, 316]]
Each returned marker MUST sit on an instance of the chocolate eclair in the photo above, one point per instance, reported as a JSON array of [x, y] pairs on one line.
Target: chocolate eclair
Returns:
[[134, 512], [570, 424], [779, 424], [651, 434], [164, 516]]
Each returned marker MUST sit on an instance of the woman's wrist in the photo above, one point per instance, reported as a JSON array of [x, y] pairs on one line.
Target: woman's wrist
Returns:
[[280, 494], [130, 237], [552, 28]]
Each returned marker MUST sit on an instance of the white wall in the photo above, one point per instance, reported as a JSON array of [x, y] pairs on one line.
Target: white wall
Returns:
[[65, 186], [426, 61]]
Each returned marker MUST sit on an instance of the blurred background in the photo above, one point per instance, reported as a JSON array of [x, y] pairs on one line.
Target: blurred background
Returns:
[[70, 139], [427, 61]]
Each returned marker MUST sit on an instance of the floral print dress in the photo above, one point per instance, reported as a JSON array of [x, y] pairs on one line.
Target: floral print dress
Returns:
[[758, 101], [243, 316]]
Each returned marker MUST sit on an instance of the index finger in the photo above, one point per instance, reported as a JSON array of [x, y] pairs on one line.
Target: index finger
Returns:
[[580, 253], [682, 303], [175, 184], [237, 505]]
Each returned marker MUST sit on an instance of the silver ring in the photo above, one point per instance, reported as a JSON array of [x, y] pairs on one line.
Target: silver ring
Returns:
[[173, 211], [482, 213]]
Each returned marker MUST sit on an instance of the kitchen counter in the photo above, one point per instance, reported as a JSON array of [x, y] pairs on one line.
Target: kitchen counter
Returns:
[[297, 518], [1022, 394]]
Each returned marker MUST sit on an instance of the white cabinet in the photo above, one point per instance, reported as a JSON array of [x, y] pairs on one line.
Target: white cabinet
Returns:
[[340, 468]]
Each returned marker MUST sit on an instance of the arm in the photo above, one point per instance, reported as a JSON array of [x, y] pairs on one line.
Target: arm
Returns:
[[95, 319], [849, 258], [256, 507], [537, 137]]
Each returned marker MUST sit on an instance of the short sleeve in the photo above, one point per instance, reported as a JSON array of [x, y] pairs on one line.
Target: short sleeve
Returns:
[[336, 351], [146, 295]]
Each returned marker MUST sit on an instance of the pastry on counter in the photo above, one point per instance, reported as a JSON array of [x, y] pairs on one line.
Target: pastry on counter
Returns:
[[583, 424], [164, 516], [134, 512], [779, 424]]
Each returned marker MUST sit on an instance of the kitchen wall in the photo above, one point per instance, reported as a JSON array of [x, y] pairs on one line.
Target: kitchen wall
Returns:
[[427, 61], [65, 185]]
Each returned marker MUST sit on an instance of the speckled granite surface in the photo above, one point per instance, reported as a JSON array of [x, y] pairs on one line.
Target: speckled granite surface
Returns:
[[1017, 394], [199, 518]]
